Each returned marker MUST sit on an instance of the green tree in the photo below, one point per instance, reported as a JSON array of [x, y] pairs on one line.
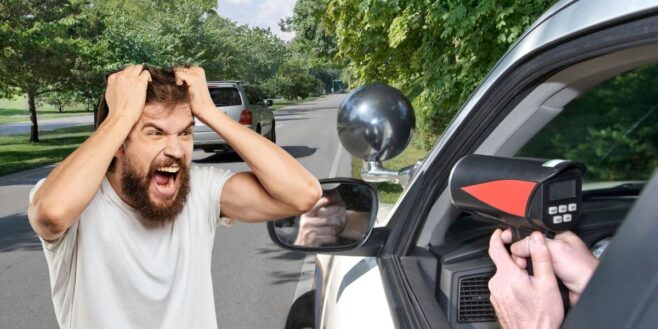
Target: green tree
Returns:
[[41, 42], [312, 37], [293, 81], [436, 52], [611, 128]]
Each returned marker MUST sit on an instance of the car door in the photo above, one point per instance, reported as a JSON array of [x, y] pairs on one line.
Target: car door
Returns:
[[556, 61], [256, 108]]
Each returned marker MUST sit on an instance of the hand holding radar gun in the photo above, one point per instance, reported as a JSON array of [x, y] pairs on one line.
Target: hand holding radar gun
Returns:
[[523, 194]]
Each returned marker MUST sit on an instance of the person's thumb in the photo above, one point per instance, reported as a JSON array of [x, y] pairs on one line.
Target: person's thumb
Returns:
[[542, 265]]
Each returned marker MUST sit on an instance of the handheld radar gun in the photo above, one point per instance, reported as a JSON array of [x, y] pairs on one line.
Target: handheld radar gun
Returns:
[[524, 194]]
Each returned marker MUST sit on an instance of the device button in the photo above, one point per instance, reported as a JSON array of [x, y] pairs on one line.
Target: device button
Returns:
[[566, 218], [572, 207], [562, 208], [552, 210], [557, 219]]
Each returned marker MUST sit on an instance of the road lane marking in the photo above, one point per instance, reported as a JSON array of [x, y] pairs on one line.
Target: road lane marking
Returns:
[[334, 166], [305, 282]]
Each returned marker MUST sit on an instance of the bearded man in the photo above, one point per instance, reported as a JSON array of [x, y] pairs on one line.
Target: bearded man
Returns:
[[127, 222]]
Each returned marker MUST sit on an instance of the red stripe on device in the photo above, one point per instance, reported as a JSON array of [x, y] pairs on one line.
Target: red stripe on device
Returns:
[[510, 196]]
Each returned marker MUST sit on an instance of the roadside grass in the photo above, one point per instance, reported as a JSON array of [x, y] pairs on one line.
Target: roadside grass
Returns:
[[17, 154], [280, 103], [15, 111], [388, 192]]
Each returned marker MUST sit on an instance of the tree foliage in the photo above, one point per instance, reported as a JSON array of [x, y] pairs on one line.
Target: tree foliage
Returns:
[[67, 46], [436, 52], [611, 128], [312, 37], [42, 44], [293, 81]]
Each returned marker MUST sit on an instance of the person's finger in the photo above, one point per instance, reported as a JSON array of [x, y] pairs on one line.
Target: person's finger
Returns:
[[314, 211], [541, 258], [182, 75], [135, 70], [127, 69], [145, 76], [507, 236], [498, 253], [567, 236], [324, 201], [321, 221], [520, 261], [318, 239], [329, 210], [521, 248]]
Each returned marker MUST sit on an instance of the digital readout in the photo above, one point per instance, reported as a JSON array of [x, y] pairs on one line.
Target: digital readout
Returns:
[[562, 190]]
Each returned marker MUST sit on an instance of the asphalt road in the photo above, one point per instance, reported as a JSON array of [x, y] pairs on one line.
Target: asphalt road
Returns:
[[255, 281], [47, 124]]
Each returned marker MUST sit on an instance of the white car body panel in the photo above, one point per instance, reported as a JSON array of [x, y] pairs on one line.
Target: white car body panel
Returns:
[[345, 306]]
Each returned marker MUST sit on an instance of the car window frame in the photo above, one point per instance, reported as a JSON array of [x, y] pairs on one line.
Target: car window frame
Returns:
[[497, 102]]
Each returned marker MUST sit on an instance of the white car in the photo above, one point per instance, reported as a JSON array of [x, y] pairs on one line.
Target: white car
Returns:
[[424, 264], [242, 102]]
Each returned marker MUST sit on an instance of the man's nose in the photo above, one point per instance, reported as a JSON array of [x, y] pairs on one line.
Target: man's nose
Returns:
[[174, 147]]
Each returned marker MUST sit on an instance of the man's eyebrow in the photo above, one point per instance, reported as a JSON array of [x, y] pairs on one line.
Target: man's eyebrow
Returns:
[[190, 125], [153, 125]]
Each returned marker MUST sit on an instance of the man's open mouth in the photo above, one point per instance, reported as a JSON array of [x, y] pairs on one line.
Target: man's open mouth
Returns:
[[164, 179]]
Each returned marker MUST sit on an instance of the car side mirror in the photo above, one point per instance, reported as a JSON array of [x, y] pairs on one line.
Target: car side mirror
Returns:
[[376, 123], [269, 102], [342, 220]]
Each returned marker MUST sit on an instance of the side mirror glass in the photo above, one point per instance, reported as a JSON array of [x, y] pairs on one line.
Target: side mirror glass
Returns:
[[341, 220], [269, 102]]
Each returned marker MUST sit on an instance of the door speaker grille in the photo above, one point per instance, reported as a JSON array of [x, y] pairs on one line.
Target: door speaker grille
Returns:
[[474, 304]]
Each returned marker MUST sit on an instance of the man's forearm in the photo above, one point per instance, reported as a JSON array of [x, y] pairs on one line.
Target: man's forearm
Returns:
[[73, 183], [280, 174]]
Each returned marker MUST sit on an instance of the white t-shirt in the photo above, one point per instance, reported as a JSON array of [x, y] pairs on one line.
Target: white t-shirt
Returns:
[[109, 271]]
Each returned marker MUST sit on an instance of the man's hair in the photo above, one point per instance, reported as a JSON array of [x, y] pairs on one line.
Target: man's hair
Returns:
[[161, 89]]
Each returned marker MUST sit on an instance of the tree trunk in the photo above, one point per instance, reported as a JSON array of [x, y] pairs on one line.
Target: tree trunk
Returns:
[[34, 133]]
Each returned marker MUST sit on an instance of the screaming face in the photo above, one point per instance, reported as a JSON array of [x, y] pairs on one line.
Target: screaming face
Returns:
[[158, 195], [154, 163]]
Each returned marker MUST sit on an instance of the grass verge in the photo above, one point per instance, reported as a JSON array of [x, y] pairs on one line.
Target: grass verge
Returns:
[[17, 154], [388, 192], [280, 103]]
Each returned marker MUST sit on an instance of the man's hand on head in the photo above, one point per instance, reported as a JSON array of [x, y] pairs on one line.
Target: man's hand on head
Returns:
[[126, 92], [195, 78], [522, 300]]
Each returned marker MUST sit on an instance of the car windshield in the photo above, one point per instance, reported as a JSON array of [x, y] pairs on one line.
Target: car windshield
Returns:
[[225, 96], [612, 129]]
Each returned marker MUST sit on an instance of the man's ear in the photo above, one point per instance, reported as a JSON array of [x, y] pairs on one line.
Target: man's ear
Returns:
[[121, 152]]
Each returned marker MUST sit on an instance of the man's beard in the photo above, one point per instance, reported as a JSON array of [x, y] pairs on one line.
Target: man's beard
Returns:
[[136, 188]]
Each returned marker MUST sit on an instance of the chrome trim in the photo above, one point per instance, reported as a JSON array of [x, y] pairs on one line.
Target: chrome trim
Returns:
[[374, 172]]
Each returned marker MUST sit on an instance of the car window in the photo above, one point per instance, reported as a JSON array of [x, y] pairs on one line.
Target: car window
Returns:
[[260, 94], [612, 128], [225, 96], [252, 96]]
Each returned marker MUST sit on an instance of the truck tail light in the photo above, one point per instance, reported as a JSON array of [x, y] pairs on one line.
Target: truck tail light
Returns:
[[245, 117]]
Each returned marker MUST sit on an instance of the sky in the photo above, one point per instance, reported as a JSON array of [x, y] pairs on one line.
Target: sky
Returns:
[[261, 13]]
